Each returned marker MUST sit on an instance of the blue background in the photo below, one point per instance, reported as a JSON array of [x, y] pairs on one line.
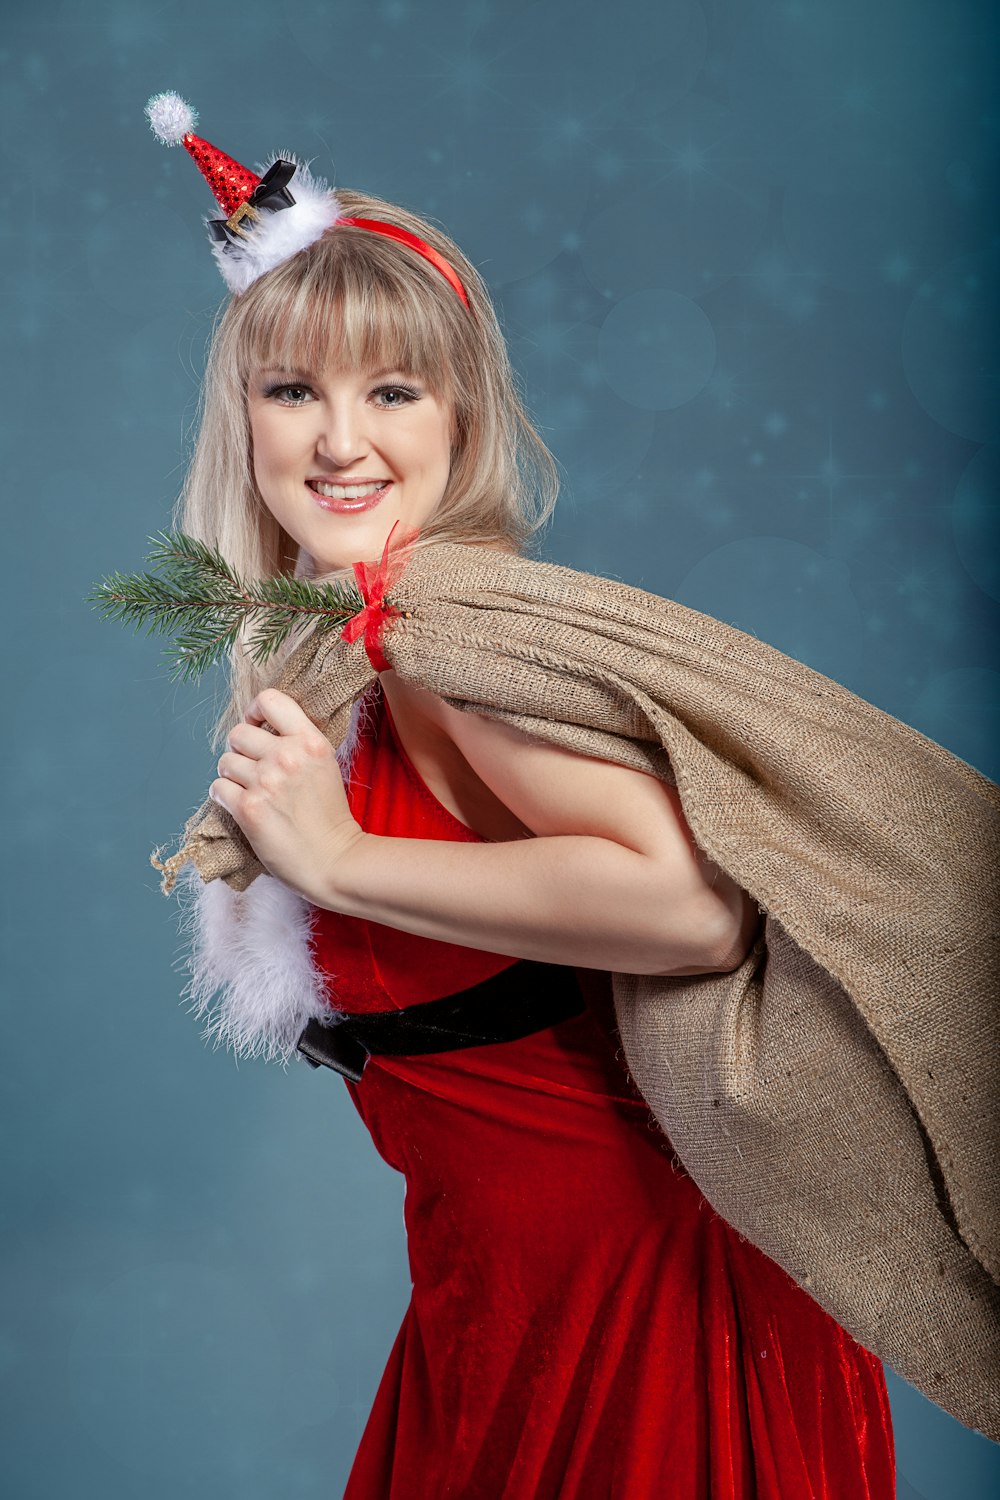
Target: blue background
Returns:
[[745, 255]]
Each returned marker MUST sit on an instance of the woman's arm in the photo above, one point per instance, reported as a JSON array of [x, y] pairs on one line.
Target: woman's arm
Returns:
[[612, 880]]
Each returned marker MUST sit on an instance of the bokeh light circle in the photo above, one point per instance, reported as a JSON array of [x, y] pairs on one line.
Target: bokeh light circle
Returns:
[[786, 594], [695, 221], [657, 349]]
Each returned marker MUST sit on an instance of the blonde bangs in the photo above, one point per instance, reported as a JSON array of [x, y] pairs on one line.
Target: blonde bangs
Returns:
[[352, 306]]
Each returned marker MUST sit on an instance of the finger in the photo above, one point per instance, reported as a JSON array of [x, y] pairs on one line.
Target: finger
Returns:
[[220, 792], [246, 739], [279, 710], [254, 717], [238, 768]]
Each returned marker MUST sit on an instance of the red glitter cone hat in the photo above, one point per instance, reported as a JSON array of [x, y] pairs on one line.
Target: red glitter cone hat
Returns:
[[266, 223]]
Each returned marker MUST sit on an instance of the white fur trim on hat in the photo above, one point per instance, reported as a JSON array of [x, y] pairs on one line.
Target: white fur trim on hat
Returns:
[[278, 234]]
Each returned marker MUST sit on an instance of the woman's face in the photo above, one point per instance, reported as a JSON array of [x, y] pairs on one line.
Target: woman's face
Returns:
[[339, 457]]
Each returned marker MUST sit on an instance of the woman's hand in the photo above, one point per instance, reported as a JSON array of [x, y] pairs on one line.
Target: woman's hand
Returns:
[[284, 788]]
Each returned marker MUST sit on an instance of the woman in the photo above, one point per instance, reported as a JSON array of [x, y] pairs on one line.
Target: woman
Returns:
[[582, 1323]]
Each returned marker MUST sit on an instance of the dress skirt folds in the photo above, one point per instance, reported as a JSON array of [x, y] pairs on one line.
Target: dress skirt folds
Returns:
[[582, 1324]]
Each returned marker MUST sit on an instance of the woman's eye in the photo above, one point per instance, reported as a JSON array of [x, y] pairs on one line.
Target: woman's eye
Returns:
[[395, 395], [288, 395]]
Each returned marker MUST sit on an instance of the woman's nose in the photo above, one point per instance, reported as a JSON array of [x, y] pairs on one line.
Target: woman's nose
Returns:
[[343, 438]]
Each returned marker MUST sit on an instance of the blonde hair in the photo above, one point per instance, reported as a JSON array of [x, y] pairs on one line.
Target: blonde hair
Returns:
[[378, 305]]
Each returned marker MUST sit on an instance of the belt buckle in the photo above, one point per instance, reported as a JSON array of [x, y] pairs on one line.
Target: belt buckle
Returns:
[[331, 1045]]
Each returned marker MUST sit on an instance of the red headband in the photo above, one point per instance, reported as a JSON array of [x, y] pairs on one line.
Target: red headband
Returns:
[[393, 232]]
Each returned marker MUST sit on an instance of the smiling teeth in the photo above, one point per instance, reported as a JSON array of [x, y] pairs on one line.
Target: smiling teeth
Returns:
[[348, 491]]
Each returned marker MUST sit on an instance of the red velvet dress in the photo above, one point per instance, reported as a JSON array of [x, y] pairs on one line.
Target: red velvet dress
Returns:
[[582, 1325]]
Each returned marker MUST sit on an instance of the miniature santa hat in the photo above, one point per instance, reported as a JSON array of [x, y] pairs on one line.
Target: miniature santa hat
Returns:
[[264, 222]]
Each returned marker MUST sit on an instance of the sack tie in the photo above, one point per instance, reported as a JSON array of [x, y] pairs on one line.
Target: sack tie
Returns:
[[373, 581]]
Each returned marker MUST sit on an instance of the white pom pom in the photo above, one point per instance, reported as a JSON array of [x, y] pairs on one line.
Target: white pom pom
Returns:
[[170, 118]]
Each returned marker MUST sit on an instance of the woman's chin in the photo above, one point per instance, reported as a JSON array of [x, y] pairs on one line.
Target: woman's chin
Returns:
[[362, 538], [365, 545]]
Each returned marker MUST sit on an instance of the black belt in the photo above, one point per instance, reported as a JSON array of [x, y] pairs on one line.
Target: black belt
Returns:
[[526, 997]]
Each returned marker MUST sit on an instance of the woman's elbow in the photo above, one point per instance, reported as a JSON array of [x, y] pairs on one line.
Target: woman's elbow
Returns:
[[721, 926], [734, 922]]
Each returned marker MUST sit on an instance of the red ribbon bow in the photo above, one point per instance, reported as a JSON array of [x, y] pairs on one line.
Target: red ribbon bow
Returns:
[[373, 581]]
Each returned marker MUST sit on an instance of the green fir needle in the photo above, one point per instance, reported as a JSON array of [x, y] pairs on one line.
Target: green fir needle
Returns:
[[193, 593]]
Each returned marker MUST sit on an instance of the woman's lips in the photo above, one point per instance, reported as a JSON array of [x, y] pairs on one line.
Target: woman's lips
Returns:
[[367, 502]]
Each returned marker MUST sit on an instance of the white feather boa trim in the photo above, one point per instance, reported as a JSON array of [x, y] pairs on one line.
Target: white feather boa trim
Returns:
[[278, 234], [252, 973]]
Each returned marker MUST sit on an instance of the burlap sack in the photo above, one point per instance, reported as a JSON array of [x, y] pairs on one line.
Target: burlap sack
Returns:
[[835, 1097]]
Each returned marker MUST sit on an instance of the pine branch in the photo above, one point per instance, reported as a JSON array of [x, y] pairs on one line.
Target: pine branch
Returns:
[[193, 593]]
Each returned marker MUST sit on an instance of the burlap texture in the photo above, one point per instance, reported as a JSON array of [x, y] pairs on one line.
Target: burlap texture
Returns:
[[835, 1098]]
